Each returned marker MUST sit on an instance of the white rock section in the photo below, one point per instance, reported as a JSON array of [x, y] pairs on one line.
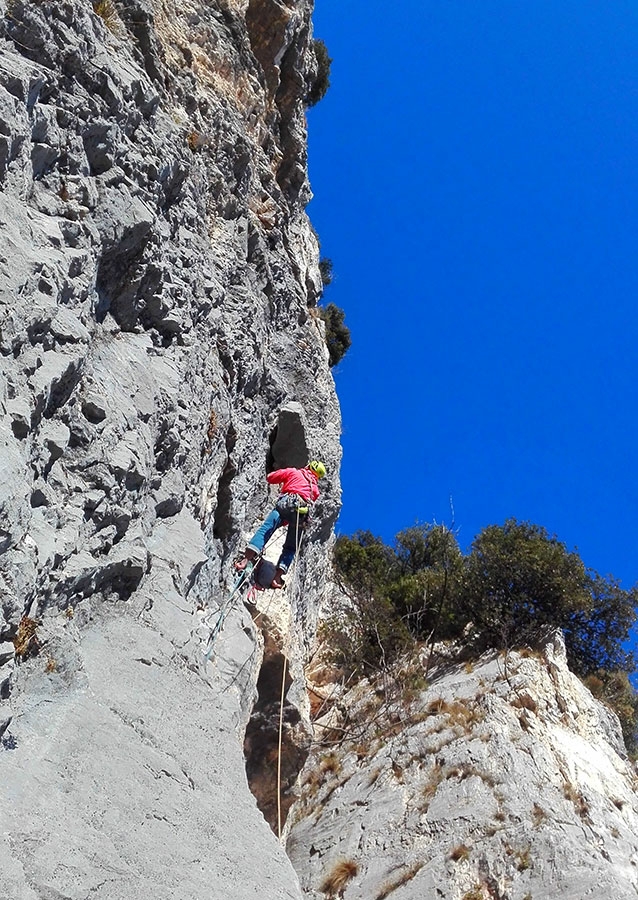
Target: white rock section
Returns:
[[505, 779], [158, 275]]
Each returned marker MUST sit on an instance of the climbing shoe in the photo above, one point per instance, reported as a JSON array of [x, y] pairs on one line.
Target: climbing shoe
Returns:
[[278, 580]]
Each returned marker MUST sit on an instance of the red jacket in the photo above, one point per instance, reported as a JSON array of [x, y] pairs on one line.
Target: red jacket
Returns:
[[296, 481]]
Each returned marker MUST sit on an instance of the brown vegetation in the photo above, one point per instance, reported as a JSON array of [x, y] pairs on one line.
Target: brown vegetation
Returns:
[[399, 880], [341, 873], [461, 851], [26, 641]]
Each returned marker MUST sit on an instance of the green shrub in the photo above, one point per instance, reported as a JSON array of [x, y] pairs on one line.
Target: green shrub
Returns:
[[326, 271], [595, 635], [364, 564], [319, 87], [425, 593], [365, 635], [517, 578], [418, 577], [364, 632], [338, 338], [395, 595]]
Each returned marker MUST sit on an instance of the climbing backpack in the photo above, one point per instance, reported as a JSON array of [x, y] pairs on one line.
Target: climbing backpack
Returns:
[[290, 505]]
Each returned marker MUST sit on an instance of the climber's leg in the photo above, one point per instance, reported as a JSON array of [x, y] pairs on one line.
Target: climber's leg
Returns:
[[293, 537], [259, 539]]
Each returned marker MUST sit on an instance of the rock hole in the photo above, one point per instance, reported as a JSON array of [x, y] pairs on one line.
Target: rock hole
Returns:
[[20, 428], [288, 445], [38, 498], [261, 742], [223, 520], [94, 411]]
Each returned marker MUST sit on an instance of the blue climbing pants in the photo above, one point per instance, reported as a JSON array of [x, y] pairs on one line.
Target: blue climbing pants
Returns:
[[263, 534]]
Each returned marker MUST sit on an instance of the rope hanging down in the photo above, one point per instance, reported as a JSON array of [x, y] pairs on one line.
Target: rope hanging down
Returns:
[[243, 578], [283, 696]]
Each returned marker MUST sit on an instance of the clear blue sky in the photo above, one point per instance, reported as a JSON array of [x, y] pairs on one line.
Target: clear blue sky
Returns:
[[475, 171]]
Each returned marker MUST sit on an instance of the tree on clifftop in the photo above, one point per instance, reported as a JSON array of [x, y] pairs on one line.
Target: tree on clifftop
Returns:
[[518, 577]]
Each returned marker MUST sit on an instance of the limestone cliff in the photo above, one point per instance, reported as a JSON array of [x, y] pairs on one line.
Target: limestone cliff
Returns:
[[158, 277], [160, 353]]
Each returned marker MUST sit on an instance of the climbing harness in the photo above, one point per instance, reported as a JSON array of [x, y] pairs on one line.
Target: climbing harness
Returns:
[[290, 505]]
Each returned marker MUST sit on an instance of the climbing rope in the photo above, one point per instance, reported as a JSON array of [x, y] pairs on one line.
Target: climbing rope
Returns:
[[283, 696], [244, 577], [225, 610]]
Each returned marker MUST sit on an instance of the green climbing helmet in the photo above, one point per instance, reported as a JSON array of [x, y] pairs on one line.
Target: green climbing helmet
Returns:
[[317, 467]]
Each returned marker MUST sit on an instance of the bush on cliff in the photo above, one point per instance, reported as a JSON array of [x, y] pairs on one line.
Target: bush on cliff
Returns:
[[518, 577], [326, 271], [393, 596], [319, 87], [338, 338], [363, 632], [615, 689], [424, 593]]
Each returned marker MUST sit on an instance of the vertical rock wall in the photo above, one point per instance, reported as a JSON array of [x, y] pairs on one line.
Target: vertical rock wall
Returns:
[[159, 348]]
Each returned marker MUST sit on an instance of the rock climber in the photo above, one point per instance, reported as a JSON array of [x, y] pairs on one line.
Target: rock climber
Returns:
[[299, 489]]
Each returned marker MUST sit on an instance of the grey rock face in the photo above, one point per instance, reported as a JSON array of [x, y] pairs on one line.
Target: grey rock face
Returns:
[[501, 780], [156, 273]]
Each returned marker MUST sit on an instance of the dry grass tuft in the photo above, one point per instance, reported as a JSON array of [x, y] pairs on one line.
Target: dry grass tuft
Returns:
[[538, 815], [330, 763], [525, 701], [26, 641], [211, 431], [463, 714], [461, 851], [196, 141], [107, 11], [431, 786], [51, 665], [523, 859], [467, 770], [336, 882], [527, 653], [576, 797], [475, 893]]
